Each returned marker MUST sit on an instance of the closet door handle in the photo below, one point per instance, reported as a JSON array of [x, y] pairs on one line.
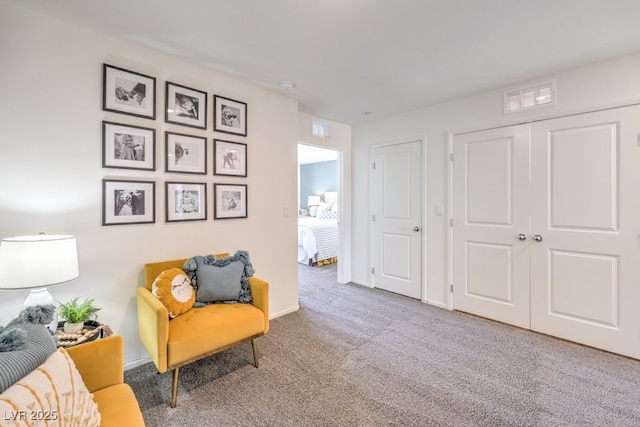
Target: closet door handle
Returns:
[[416, 228], [522, 236], [537, 238]]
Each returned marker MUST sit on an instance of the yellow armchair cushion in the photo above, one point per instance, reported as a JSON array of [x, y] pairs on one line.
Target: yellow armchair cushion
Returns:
[[118, 406], [203, 329]]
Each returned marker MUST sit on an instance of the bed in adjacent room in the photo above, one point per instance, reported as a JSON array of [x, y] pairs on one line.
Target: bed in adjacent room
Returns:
[[318, 234]]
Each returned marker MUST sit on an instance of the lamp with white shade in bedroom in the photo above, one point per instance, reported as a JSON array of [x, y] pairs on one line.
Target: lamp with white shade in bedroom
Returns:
[[313, 202]]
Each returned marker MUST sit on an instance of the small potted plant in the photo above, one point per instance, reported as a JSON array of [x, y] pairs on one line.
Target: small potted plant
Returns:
[[76, 313]]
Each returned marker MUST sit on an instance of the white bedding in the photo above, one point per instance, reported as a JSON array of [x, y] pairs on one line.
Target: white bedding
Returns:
[[317, 239]]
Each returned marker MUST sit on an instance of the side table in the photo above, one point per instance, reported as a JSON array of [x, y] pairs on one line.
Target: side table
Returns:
[[92, 331]]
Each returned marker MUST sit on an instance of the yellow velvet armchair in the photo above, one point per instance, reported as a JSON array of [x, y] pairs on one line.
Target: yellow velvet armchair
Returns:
[[200, 332]]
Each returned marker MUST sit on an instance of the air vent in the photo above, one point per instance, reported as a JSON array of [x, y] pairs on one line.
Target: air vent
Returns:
[[529, 97], [320, 128]]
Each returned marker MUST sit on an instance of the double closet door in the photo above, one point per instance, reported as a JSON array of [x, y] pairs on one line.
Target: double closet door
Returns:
[[546, 227]]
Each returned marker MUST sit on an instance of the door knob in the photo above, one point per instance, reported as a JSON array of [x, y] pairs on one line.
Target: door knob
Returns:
[[416, 228], [537, 238], [522, 236]]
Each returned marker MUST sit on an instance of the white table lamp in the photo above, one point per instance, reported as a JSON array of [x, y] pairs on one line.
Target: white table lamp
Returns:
[[36, 262], [314, 201]]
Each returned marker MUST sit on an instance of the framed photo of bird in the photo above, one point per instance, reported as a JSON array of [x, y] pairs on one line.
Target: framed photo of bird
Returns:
[[185, 153]]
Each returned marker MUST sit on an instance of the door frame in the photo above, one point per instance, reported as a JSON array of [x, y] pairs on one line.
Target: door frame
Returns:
[[423, 184]]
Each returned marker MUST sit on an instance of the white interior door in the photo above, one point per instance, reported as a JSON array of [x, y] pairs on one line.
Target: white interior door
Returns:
[[585, 265], [491, 224], [397, 226]]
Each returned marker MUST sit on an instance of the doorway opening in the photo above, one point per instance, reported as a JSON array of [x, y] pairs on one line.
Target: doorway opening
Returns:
[[319, 210]]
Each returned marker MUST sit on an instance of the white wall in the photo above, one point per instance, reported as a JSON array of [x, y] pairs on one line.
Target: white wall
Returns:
[[602, 85], [340, 140], [50, 168]]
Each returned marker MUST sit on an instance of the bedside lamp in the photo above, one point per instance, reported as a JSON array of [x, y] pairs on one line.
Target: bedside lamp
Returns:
[[313, 201], [36, 262]]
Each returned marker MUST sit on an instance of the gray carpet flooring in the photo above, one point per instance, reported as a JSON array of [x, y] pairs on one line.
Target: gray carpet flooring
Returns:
[[353, 356]]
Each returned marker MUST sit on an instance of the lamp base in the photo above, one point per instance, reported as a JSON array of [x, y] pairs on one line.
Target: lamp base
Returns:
[[41, 296]]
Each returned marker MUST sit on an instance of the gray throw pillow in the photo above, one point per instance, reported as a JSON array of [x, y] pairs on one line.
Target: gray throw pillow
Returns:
[[207, 269], [218, 283]]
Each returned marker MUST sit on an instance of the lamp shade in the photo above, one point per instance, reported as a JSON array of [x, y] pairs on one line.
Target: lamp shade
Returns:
[[314, 201], [37, 261]]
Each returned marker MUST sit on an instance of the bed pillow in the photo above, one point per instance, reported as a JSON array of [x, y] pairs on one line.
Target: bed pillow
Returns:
[[221, 279], [173, 288], [325, 206], [52, 391], [327, 215]]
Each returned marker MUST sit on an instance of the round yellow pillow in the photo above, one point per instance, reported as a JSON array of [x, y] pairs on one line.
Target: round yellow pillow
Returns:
[[173, 288]]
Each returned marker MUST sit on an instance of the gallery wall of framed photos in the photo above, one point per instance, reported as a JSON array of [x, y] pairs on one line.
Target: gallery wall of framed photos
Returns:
[[189, 145]]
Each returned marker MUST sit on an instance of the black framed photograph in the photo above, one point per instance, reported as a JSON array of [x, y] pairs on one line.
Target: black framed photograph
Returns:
[[128, 202], [229, 116], [186, 106], [230, 201], [127, 92], [128, 147], [229, 158], [186, 201], [185, 153]]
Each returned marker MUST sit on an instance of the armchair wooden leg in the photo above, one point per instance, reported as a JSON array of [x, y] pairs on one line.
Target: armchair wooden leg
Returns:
[[256, 363], [174, 387]]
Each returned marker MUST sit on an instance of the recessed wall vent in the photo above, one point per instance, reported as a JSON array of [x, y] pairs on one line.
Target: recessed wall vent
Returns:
[[320, 128], [530, 97]]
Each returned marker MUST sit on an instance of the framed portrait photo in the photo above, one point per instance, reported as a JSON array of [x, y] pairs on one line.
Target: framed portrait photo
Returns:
[[229, 158], [128, 147], [229, 116], [185, 153], [128, 202], [230, 201], [186, 106], [126, 92], [186, 201]]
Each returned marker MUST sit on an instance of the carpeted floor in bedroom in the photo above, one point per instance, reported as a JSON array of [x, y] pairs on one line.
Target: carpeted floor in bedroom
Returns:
[[354, 356]]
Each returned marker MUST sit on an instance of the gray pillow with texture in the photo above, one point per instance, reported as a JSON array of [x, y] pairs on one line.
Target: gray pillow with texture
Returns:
[[37, 347], [218, 283], [191, 267]]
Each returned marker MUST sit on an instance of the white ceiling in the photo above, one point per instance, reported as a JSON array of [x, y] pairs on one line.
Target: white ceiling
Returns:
[[348, 57]]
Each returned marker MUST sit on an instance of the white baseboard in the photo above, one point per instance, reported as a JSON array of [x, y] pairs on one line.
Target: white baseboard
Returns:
[[365, 284], [136, 363], [283, 312], [436, 304]]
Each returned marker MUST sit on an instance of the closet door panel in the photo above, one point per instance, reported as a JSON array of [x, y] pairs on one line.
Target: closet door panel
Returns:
[[585, 275], [491, 210]]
